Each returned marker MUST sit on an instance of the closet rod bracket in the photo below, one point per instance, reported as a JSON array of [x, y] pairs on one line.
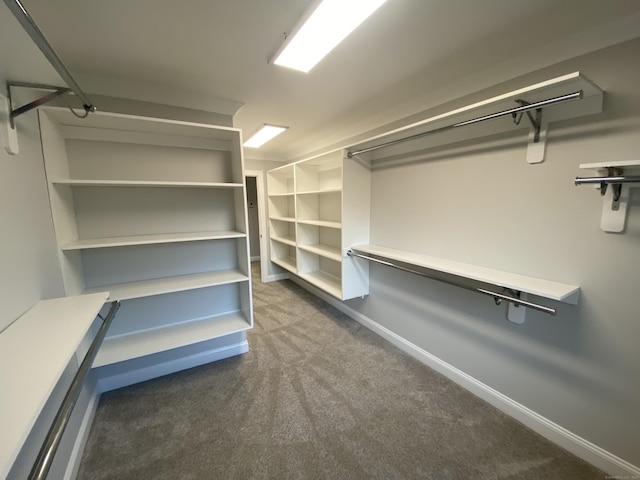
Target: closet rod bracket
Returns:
[[536, 122], [54, 92]]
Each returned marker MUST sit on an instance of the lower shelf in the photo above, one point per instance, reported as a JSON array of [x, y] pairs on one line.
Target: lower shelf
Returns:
[[125, 347], [324, 281], [288, 263]]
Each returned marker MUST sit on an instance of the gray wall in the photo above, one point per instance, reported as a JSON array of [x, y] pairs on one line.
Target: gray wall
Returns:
[[481, 203]]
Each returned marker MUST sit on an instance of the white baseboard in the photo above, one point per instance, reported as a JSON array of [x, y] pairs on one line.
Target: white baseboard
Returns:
[[130, 377], [255, 259], [277, 277], [591, 453]]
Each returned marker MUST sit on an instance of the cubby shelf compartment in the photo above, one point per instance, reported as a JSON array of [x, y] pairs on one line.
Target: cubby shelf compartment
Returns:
[[286, 240], [561, 292], [576, 96], [321, 223], [333, 253], [154, 211], [126, 347], [109, 242], [614, 180]]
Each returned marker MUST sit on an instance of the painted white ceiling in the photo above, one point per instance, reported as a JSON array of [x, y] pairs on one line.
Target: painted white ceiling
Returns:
[[212, 55]]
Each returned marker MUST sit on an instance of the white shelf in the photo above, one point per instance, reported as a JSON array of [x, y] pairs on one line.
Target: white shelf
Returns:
[[34, 352], [324, 281], [321, 223], [617, 164], [287, 263], [286, 240], [275, 195], [141, 343], [333, 253], [591, 102], [327, 190], [283, 219], [140, 183], [535, 286], [159, 286], [149, 239]]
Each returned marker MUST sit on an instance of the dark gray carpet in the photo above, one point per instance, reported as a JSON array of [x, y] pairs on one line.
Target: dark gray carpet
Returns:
[[317, 397]]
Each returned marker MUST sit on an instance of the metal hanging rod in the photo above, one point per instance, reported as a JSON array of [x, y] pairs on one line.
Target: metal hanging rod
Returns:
[[497, 297], [52, 441], [607, 180], [39, 39], [511, 111]]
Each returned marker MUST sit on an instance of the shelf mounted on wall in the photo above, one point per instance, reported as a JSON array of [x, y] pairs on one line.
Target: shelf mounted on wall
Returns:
[[614, 181], [540, 103], [8, 112]]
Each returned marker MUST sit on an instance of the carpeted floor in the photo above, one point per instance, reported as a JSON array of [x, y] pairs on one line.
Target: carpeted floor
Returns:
[[317, 397]]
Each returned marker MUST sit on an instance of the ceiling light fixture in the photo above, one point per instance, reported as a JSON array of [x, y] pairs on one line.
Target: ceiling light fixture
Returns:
[[263, 135], [325, 25]]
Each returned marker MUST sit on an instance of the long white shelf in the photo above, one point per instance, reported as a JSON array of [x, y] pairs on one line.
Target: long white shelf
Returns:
[[143, 183], [326, 190], [160, 286], [286, 240], [326, 282], [138, 344], [108, 242], [34, 352], [590, 103], [535, 286], [283, 219], [332, 253], [321, 223], [288, 263]]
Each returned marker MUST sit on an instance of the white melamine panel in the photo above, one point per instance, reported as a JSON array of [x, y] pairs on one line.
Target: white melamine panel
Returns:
[[148, 313], [284, 255], [108, 266], [136, 345], [323, 175], [325, 207], [280, 180], [122, 161], [113, 212], [51, 330], [141, 183], [535, 286], [108, 242], [282, 207], [320, 240], [283, 231]]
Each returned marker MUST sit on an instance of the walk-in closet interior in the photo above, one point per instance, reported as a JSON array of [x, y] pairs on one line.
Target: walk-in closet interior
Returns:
[[440, 247]]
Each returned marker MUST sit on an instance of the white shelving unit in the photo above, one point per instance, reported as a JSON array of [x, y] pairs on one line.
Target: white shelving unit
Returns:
[[318, 207], [38, 346], [154, 212]]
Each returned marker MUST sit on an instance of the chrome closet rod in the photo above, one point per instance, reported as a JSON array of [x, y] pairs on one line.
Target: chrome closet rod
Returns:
[[491, 116], [495, 295], [607, 180], [50, 445], [39, 39]]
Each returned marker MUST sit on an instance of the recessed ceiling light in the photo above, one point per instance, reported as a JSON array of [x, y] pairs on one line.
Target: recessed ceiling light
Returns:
[[329, 22], [263, 135]]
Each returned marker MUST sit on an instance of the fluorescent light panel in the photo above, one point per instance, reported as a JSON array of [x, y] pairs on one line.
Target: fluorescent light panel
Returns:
[[328, 25], [262, 136]]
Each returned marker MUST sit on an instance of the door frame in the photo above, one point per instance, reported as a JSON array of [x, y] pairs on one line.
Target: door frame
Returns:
[[262, 226]]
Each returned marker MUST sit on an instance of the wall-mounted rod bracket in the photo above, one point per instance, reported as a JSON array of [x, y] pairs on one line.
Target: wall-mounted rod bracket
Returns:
[[536, 122], [54, 92], [616, 198]]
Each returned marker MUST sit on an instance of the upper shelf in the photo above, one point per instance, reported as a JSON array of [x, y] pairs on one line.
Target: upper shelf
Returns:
[[532, 285], [140, 183], [589, 102]]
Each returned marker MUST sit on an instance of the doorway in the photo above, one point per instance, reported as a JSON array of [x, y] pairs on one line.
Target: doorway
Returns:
[[256, 218]]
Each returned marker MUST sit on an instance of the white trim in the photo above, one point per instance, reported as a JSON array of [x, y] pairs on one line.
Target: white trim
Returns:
[[262, 226], [255, 259], [276, 277], [580, 447], [131, 377]]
